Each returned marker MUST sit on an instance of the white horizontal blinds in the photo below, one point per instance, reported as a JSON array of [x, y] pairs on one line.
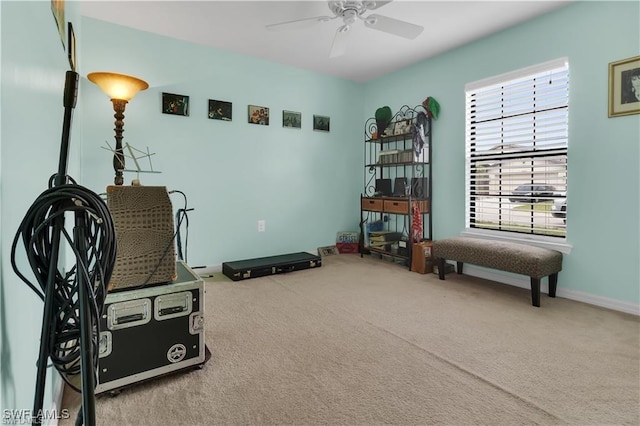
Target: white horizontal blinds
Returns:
[[516, 134]]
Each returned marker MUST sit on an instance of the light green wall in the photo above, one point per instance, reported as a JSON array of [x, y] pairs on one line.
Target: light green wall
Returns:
[[603, 170], [33, 66], [304, 183]]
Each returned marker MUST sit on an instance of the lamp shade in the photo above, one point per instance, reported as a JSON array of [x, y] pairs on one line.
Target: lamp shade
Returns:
[[118, 86]]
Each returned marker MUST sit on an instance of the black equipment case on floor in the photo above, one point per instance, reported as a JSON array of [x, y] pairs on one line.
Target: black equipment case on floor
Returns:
[[263, 266], [152, 331]]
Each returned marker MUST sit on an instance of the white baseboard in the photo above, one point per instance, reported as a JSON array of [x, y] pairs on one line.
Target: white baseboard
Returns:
[[603, 302], [514, 280], [579, 296], [56, 404], [207, 271]]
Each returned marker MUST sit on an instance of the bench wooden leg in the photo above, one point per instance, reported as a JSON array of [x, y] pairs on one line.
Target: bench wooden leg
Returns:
[[535, 291], [459, 268], [553, 283], [440, 268]]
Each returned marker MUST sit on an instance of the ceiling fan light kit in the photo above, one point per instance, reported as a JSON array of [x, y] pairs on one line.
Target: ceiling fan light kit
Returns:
[[349, 17], [350, 12]]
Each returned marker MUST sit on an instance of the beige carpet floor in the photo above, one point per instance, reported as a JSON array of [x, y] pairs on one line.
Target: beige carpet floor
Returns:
[[362, 341]]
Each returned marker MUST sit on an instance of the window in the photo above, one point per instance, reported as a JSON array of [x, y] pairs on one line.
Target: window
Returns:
[[516, 151]]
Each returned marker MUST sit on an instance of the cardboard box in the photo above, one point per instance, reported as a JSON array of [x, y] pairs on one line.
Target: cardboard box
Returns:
[[422, 257]]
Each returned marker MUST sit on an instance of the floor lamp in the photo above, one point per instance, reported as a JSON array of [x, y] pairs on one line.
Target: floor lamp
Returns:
[[121, 88]]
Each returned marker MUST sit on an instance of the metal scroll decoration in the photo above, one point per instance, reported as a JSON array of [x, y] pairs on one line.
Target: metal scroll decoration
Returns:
[[370, 184], [404, 113], [419, 131]]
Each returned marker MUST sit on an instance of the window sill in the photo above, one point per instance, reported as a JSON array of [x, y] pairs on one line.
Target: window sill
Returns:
[[540, 241]]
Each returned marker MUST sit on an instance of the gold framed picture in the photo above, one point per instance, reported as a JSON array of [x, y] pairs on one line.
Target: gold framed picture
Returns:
[[624, 87], [327, 251]]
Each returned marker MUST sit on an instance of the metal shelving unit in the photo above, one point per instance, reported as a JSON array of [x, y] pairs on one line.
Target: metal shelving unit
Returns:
[[397, 185]]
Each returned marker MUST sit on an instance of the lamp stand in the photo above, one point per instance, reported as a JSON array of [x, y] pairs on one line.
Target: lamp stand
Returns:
[[118, 156], [121, 88]]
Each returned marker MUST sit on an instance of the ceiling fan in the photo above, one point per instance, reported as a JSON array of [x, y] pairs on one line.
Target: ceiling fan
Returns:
[[350, 12]]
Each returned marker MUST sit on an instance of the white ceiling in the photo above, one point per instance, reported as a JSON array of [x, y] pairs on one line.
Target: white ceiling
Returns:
[[239, 26]]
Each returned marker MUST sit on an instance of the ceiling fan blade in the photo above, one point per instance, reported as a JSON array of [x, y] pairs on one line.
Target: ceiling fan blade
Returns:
[[393, 26], [373, 5], [299, 23], [339, 46]]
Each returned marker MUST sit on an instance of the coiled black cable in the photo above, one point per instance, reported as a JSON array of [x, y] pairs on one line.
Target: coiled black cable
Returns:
[[181, 216], [43, 219]]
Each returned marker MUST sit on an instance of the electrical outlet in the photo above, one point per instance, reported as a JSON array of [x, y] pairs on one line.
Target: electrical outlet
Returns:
[[262, 225]]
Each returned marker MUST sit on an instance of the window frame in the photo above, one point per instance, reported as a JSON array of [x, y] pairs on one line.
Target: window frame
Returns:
[[556, 242]]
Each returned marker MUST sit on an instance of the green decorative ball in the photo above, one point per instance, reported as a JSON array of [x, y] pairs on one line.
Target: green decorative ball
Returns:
[[384, 114]]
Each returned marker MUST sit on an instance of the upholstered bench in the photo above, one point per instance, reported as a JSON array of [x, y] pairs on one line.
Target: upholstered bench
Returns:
[[535, 262]]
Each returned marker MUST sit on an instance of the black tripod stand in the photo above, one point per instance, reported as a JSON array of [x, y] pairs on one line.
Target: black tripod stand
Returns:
[[72, 301]]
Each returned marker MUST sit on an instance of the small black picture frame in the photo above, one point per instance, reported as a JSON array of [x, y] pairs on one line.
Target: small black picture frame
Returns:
[[258, 115], [220, 110], [175, 104], [321, 123], [291, 119], [71, 46]]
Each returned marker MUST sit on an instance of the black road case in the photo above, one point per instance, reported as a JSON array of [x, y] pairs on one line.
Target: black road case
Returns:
[[262, 266], [151, 331]]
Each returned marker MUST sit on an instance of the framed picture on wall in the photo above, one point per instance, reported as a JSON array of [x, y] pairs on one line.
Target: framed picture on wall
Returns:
[[321, 123], [71, 46], [175, 104], [258, 115], [624, 87], [291, 119], [220, 110]]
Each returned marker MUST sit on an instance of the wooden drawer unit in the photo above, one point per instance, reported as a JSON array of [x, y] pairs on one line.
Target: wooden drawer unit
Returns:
[[402, 206], [372, 204], [396, 206], [423, 205]]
